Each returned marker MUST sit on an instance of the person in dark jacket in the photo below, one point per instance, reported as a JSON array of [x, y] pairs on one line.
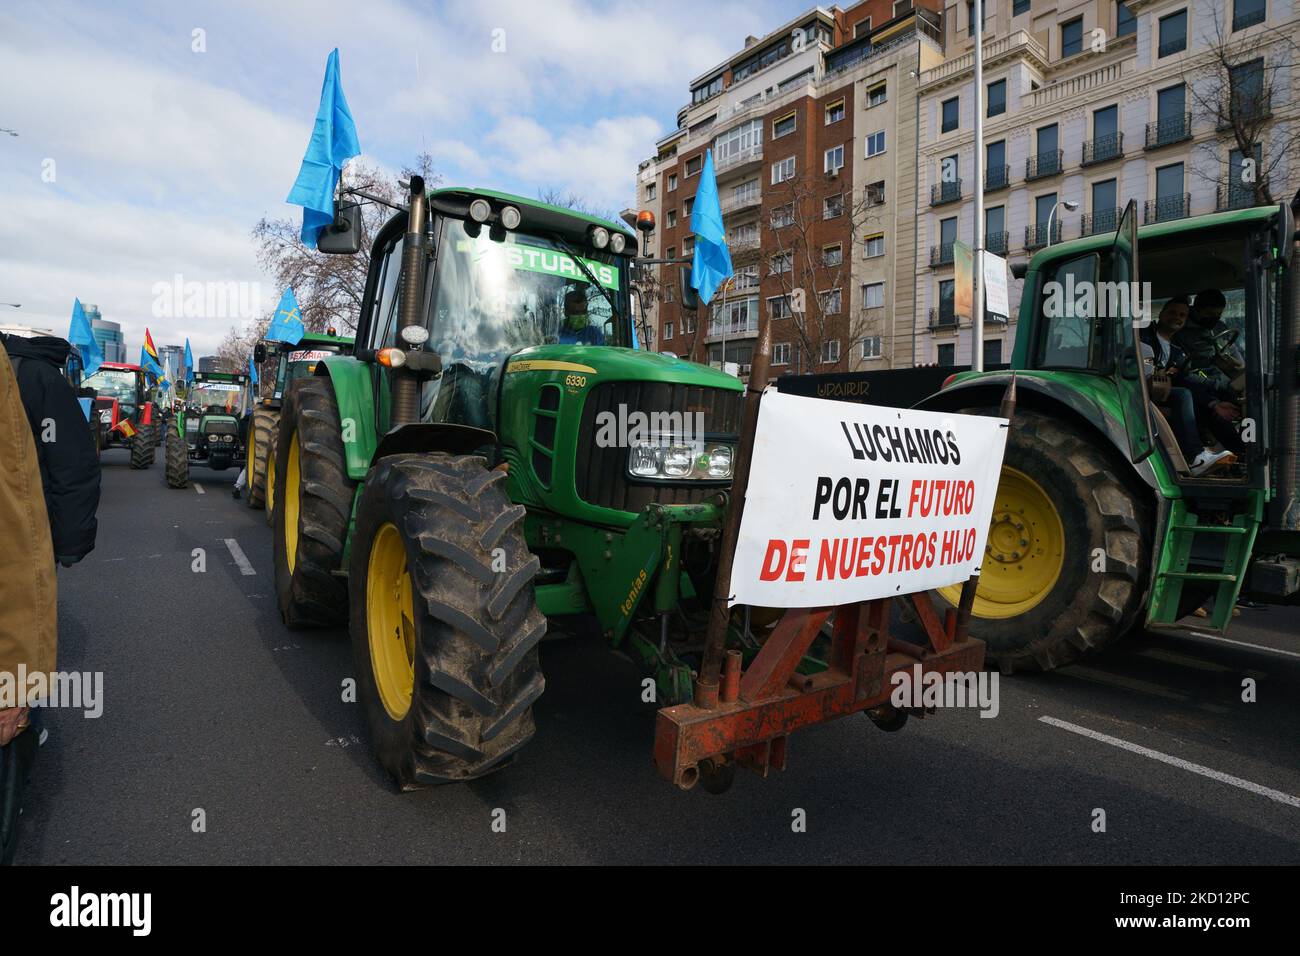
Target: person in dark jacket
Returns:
[[64, 444]]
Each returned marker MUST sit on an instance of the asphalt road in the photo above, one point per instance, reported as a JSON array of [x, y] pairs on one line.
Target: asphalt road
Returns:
[[212, 705]]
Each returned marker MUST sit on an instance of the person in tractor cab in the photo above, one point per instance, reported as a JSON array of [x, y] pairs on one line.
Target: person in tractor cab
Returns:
[[577, 328], [1196, 338], [1182, 393]]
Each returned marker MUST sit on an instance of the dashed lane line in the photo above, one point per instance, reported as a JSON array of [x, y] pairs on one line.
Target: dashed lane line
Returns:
[[241, 559], [198, 487]]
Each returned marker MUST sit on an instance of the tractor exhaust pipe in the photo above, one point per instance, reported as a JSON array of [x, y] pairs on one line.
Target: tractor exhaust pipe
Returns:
[[406, 386]]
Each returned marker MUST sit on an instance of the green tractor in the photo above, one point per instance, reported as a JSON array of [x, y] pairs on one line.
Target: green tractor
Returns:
[[208, 428], [1101, 525], [448, 489], [294, 362]]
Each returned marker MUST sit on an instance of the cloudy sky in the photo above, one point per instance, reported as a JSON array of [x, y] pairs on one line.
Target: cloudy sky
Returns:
[[147, 150]]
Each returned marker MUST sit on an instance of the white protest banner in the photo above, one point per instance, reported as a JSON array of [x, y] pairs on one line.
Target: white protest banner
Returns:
[[851, 502], [995, 285]]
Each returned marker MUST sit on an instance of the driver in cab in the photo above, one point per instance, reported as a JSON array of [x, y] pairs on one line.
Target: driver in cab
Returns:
[[576, 328]]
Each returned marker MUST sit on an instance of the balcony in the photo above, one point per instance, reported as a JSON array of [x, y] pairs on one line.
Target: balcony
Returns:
[[941, 255], [943, 319], [941, 193], [1166, 208], [1019, 44], [1043, 165], [1168, 130], [1102, 149], [1233, 197], [736, 328], [1249, 18], [1101, 220], [738, 201], [1036, 235], [996, 243], [744, 243], [1089, 85], [739, 159], [997, 177]]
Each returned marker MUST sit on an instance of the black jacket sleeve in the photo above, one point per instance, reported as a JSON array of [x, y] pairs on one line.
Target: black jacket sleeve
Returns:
[[69, 464]]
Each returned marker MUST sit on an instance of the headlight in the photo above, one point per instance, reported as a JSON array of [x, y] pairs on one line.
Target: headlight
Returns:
[[617, 242], [599, 237], [709, 462]]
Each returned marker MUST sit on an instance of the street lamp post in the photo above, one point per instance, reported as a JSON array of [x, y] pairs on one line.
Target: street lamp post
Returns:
[[1069, 207], [977, 299]]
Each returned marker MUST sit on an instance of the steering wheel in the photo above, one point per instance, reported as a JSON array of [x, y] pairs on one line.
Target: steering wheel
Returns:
[[1224, 340]]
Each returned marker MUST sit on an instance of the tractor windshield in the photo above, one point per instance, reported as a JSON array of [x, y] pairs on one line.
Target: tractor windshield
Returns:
[[218, 398], [114, 383]]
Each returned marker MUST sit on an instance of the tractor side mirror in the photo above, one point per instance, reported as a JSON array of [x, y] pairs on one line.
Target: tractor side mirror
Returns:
[[690, 300], [259, 353], [343, 236]]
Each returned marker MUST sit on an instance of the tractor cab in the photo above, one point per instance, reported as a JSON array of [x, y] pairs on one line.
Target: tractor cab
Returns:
[[298, 360], [123, 405], [213, 422]]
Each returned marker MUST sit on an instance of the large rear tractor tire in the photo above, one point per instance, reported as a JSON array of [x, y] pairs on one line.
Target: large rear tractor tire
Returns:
[[142, 447], [176, 463], [273, 442], [1068, 550], [444, 622], [313, 505], [260, 430]]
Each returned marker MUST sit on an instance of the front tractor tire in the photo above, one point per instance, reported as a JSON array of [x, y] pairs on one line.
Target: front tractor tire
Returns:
[[444, 623], [313, 504], [142, 447], [1068, 549], [257, 454], [176, 462]]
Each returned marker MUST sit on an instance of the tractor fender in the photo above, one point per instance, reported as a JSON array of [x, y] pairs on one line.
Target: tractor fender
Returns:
[[1047, 397], [353, 391], [433, 436]]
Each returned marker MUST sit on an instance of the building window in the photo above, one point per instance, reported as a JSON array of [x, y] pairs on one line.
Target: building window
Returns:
[[992, 352], [737, 141], [901, 7], [877, 95], [875, 144], [997, 98], [833, 161], [947, 354], [783, 216], [672, 218], [707, 90], [1173, 34], [672, 181], [668, 331], [783, 170], [831, 352], [747, 277], [831, 302], [670, 253], [874, 246], [1246, 100], [873, 295], [833, 255], [873, 347], [688, 246], [1247, 13], [833, 206], [950, 115], [693, 166], [862, 28], [650, 192], [1019, 6], [835, 112], [970, 14], [778, 307], [781, 353], [784, 126], [1125, 22], [781, 264], [874, 193], [1072, 37]]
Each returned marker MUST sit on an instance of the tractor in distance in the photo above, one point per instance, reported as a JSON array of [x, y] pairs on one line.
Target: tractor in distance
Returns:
[[1100, 527], [293, 362], [124, 412], [209, 427], [445, 490]]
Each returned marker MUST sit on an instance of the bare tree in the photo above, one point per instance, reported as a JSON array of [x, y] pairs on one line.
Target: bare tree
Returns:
[[1244, 79], [568, 199]]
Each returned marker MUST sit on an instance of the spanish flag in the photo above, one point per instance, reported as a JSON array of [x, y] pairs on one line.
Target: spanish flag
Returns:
[[148, 344], [125, 427]]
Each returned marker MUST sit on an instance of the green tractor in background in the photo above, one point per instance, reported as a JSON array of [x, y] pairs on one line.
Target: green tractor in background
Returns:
[[294, 361], [208, 428], [1099, 526], [446, 491]]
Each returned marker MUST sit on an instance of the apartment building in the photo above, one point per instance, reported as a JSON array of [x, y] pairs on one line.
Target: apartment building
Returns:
[[1088, 104], [813, 133]]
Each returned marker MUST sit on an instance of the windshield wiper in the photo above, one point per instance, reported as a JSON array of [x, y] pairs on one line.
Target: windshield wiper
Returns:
[[577, 261]]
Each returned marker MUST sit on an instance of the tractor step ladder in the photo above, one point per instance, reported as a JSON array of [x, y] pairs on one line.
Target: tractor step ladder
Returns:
[[1173, 570]]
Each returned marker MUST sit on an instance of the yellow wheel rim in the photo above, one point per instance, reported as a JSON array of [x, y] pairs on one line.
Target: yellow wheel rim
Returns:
[[390, 621], [1025, 551], [270, 481], [250, 455], [292, 477]]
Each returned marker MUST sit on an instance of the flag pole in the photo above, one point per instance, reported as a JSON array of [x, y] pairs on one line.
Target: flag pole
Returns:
[[977, 299]]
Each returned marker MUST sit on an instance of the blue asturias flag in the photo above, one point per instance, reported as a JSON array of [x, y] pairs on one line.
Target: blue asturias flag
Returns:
[[712, 264], [286, 324], [252, 374], [151, 367], [189, 361], [333, 143], [82, 336]]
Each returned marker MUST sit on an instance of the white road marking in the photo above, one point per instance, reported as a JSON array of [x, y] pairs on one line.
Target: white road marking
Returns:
[[1278, 795], [1120, 680], [1255, 647], [237, 553], [198, 487]]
